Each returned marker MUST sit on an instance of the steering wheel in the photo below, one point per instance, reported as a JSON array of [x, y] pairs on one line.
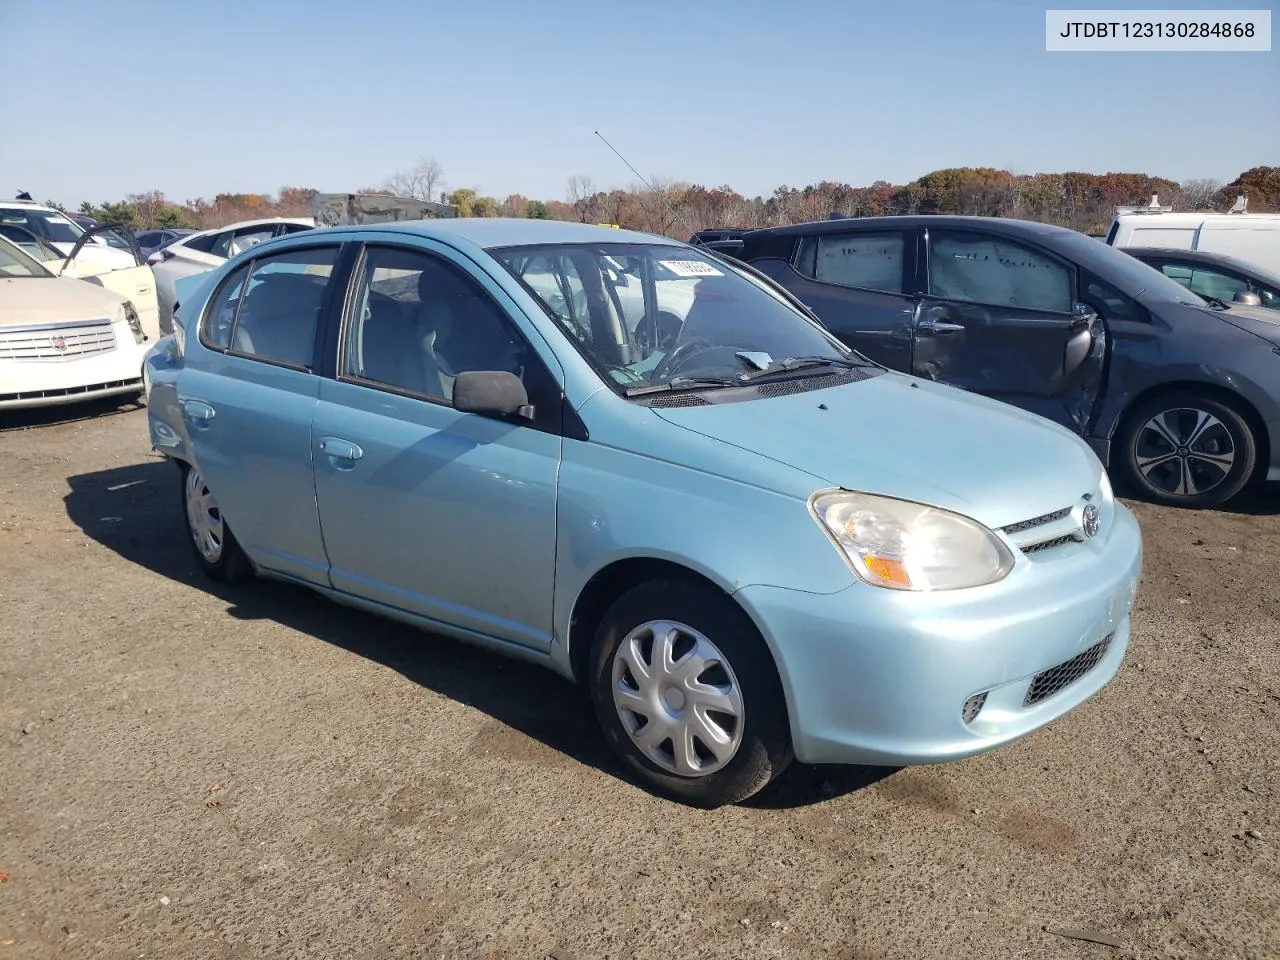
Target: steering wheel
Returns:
[[659, 331], [669, 364]]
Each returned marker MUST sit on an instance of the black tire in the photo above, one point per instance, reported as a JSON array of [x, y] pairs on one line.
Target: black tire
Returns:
[[230, 563], [764, 749], [1195, 476]]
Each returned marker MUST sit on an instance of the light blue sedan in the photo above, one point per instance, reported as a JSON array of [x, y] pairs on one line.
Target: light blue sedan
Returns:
[[654, 472]]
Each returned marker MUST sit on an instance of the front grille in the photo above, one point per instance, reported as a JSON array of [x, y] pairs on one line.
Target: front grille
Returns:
[[1049, 544], [71, 391], [973, 706], [1056, 679], [1036, 521], [678, 400], [44, 344]]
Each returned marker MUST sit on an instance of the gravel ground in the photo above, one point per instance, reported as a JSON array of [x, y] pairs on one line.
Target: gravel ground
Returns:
[[189, 771]]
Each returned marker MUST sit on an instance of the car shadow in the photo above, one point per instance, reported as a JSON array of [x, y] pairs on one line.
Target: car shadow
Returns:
[[135, 511], [1260, 500], [32, 417]]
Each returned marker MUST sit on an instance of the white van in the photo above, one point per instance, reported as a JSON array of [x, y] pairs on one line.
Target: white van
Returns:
[[1252, 237]]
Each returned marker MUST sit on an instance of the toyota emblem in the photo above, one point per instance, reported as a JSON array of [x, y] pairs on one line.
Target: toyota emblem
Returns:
[[59, 343], [1092, 520]]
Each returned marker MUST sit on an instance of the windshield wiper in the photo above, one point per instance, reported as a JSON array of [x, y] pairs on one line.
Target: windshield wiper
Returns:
[[800, 363], [685, 383], [1215, 302]]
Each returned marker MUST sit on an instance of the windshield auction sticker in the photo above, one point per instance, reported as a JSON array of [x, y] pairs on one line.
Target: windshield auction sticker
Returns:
[[1176, 31], [691, 268]]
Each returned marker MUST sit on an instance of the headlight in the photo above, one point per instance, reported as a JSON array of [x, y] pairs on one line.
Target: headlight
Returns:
[[130, 316], [911, 546]]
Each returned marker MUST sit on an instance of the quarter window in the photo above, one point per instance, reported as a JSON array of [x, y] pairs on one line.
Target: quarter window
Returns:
[[872, 261], [418, 322], [280, 305], [982, 268]]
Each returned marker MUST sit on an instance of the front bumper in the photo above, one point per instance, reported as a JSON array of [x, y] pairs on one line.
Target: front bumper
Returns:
[[26, 383], [882, 677]]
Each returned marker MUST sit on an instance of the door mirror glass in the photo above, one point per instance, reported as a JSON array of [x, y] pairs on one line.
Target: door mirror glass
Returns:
[[1247, 298], [492, 392]]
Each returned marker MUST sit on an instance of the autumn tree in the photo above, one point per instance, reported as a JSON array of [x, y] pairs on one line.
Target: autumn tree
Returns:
[[423, 181], [1200, 194], [1261, 185]]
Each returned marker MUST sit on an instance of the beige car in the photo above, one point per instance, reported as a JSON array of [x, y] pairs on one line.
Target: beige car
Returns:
[[117, 265], [63, 339]]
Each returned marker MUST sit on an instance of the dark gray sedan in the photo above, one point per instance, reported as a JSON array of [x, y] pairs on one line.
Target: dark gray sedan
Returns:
[[1178, 394]]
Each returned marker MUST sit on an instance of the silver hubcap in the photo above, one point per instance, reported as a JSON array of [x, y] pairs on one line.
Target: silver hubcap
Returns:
[[204, 519], [678, 698], [1184, 451]]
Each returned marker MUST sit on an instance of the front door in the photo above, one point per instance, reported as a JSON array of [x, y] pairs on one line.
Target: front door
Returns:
[[448, 515], [1001, 318], [248, 394]]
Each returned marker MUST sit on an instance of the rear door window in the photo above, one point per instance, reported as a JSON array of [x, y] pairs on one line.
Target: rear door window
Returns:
[[867, 260], [278, 309]]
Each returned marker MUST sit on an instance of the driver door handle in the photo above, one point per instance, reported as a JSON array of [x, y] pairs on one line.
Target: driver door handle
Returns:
[[197, 411], [340, 449], [939, 327]]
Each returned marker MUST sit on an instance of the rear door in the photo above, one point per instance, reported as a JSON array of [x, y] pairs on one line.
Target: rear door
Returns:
[[248, 394], [859, 283], [999, 317]]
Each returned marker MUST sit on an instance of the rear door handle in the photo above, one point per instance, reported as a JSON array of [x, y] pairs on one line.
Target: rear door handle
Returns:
[[339, 449], [939, 327], [198, 412]]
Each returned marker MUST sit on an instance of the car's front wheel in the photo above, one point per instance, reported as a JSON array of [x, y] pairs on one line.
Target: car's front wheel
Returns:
[[687, 693], [1186, 449], [215, 546]]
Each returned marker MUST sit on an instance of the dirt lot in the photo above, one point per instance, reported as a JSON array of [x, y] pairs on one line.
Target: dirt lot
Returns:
[[191, 772]]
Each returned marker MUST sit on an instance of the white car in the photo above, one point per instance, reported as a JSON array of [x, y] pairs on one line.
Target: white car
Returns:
[[62, 339], [62, 232], [1251, 237], [204, 251], [126, 274]]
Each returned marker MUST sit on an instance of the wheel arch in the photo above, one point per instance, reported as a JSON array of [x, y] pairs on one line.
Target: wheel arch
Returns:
[[605, 586], [1231, 398]]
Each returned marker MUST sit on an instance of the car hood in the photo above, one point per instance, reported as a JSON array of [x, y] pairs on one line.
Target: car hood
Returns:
[[1259, 320], [25, 301], [99, 254], [915, 440]]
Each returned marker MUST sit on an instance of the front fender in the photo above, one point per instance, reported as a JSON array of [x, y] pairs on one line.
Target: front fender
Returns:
[[617, 505]]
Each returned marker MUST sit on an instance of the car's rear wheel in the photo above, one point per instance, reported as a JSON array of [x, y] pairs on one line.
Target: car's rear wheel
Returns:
[[1186, 449], [215, 546], [687, 693]]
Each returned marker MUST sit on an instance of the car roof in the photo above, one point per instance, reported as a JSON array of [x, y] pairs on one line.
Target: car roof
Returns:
[[28, 205], [1008, 226], [264, 221], [488, 232], [1208, 259]]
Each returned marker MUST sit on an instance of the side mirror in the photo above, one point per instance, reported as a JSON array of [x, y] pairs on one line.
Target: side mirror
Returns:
[[1247, 298], [492, 392]]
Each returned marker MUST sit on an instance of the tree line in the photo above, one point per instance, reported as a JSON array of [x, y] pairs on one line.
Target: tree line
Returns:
[[1082, 201]]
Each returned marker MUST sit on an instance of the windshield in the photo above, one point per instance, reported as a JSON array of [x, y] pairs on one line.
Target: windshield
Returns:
[[15, 263], [48, 224], [648, 314], [1129, 274]]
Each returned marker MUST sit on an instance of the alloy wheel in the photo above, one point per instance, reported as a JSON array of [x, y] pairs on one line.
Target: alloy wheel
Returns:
[[1184, 451]]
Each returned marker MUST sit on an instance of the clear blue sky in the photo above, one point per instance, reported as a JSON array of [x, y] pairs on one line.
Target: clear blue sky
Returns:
[[195, 98]]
